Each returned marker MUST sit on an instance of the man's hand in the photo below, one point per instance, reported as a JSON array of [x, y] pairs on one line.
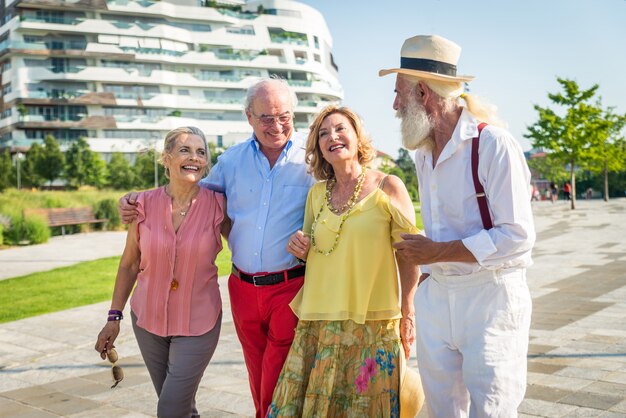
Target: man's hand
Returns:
[[127, 207], [417, 249]]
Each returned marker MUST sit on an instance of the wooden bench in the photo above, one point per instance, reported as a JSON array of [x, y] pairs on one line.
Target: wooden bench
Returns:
[[66, 216]]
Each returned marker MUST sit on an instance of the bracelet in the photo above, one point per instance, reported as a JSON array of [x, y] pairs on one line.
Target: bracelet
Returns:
[[115, 315]]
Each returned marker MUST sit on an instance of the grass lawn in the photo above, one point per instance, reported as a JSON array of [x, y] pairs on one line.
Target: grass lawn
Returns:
[[67, 287], [76, 285]]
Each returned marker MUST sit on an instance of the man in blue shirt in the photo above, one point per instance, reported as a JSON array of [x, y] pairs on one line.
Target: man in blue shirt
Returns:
[[265, 181]]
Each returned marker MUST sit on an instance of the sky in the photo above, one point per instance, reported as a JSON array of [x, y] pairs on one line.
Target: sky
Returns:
[[515, 49]]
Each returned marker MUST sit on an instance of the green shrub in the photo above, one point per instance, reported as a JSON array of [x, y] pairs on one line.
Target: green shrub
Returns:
[[30, 229], [1, 234], [107, 209]]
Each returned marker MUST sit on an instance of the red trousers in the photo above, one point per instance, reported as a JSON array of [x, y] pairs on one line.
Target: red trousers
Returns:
[[265, 326]]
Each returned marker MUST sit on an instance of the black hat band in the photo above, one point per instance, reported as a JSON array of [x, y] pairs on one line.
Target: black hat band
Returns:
[[431, 66]]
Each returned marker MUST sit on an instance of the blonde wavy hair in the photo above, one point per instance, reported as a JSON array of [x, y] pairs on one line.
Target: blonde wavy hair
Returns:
[[318, 166]]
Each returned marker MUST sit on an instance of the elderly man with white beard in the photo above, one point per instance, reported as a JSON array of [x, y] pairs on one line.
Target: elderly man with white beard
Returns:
[[472, 305]]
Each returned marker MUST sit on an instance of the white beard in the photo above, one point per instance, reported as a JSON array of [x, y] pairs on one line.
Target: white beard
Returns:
[[416, 126]]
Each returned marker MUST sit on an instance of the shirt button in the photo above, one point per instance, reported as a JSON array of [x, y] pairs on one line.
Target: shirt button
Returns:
[[264, 203], [256, 253], [259, 228]]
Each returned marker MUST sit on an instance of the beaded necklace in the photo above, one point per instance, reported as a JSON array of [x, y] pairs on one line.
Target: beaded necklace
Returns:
[[347, 207]]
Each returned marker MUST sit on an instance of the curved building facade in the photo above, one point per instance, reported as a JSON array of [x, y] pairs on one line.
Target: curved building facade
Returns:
[[121, 73]]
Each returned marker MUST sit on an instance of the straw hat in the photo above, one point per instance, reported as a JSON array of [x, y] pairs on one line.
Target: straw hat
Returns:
[[411, 391], [429, 57]]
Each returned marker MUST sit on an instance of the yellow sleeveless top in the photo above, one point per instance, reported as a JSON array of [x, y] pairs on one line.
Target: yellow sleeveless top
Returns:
[[359, 279]]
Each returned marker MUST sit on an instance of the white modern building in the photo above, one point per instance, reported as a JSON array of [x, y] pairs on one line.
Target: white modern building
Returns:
[[121, 73]]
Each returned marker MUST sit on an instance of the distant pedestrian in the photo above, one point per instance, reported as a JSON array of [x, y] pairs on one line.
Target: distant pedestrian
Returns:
[[567, 191], [589, 193], [554, 192]]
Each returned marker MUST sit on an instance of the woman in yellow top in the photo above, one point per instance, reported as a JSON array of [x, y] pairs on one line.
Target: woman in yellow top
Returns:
[[344, 360]]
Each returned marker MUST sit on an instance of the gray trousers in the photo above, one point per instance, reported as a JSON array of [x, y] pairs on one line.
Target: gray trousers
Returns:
[[176, 366]]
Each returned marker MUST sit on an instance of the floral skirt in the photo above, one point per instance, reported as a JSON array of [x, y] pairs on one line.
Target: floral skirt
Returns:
[[340, 369]]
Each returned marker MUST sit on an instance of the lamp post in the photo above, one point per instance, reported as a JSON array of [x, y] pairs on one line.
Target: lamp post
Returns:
[[18, 158]]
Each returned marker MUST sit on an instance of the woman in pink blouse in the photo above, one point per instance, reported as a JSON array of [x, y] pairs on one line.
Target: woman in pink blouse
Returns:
[[170, 254]]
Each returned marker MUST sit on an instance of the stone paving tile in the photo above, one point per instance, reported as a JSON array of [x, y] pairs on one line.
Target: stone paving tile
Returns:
[[547, 409], [109, 412], [592, 400], [13, 409], [143, 404], [615, 377], [61, 403], [584, 413], [565, 383], [607, 387], [545, 393], [620, 407], [228, 402], [539, 367], [583, 373]]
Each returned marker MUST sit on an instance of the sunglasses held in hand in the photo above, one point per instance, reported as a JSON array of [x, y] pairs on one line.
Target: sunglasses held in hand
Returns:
[[116, 371]]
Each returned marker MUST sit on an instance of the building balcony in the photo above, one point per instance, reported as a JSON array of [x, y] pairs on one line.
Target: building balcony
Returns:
[[54, 20], [84, 4]]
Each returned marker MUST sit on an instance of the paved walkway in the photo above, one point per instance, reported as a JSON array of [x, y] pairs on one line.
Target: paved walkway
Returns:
[[577, 360]]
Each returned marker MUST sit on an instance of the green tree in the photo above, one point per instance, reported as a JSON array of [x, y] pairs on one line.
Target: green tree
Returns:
[[51, 161], [566, 136], [121, 175], [144, 170], [547, 168], [84, 166], [29, 174], [6, 171], [215, 152], [607, 152], [406, 164]]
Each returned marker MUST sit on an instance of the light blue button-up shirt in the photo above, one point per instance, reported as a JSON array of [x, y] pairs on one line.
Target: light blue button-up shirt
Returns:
[[265, 205]]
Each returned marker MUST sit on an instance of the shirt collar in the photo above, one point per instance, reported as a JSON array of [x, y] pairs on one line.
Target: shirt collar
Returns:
[[255, 144], [466, 128]]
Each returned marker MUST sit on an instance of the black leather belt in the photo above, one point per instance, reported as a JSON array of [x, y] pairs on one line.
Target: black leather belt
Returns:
[[269, 278]]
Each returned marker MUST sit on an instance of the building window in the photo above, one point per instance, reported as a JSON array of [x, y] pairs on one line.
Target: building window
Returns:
[[316, 41], [220, 141], [6, 89]]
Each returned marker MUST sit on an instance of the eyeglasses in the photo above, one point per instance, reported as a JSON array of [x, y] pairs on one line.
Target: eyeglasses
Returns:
[[269, 120], [116, 371]]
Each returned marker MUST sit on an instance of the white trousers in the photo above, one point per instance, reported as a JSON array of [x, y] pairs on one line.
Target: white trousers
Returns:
[[472, 343]]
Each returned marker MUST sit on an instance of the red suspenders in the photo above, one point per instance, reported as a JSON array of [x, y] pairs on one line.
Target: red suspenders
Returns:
[[480, 191]]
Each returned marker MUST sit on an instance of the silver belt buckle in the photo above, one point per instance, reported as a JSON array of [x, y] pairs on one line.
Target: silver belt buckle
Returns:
[[254, 280]]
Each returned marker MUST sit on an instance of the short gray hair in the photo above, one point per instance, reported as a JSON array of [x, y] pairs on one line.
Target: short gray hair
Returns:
[[253, 90]]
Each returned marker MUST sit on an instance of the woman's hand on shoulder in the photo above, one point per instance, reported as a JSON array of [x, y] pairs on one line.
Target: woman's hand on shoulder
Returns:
[[407, 332], [298, 245]]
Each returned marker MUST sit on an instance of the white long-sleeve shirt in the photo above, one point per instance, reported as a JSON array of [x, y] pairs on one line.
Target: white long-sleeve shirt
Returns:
[[450, 209]]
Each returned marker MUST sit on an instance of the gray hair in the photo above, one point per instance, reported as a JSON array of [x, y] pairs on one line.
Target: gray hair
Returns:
[[451, 92], [172, 136], [253, 90]]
